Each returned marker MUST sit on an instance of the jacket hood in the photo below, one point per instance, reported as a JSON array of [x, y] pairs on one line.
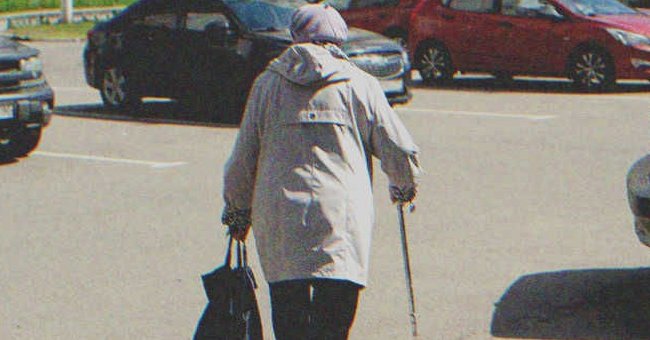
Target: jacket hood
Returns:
[[307, 64]]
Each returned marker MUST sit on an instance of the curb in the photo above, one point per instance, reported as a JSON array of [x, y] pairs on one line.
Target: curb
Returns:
[[30, 39]]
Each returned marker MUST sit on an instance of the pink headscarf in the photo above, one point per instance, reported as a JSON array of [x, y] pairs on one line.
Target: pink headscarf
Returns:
[[318, 23]]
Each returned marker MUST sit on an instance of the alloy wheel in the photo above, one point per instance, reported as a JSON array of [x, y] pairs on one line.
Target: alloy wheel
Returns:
[[592, 71], [113, 87], [434, 64]]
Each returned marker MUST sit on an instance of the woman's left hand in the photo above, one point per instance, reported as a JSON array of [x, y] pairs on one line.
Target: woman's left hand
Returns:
[[239, 233]]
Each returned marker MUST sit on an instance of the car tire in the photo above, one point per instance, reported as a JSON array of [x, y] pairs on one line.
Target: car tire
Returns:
[[115, 91], [21, 143], [434, 64], [592, 70]]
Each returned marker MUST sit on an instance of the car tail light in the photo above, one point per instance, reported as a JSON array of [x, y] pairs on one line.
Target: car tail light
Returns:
[[96, 38]]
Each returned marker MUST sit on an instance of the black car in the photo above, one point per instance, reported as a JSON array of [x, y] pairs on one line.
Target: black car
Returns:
[[210, 51], [26, 99]]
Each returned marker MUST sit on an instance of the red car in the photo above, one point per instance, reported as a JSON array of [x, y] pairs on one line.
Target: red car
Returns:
[[592, 42]]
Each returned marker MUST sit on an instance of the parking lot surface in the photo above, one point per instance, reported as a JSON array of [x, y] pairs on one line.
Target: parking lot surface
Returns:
[[521, 229]]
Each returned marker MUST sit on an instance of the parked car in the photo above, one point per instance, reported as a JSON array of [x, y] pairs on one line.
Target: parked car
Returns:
[[210, 51], [638, 192], [592, 42], [26, 99], [388, 17]]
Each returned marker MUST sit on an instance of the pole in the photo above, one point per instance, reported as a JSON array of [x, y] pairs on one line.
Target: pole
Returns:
[[66, 9], [407, 270]]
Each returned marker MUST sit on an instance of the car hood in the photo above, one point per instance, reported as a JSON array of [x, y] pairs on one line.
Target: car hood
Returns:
[[359, 41], [637, 23], [10, 49]]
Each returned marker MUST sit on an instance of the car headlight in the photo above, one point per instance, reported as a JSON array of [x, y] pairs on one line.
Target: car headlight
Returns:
[[407, 62], [32, 64], [628, 38]]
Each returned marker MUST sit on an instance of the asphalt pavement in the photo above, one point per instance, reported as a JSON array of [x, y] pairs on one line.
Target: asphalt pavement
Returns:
[[521, 229]]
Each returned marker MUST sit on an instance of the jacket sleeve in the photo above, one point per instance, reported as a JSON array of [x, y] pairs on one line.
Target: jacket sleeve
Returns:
[[389, 140], [241, 168]]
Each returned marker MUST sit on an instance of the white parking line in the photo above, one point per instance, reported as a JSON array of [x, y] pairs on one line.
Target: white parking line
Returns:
[[155, 165], [480, 114]]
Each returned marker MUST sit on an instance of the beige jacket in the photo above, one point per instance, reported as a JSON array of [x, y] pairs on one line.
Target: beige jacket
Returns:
[[302, 163]]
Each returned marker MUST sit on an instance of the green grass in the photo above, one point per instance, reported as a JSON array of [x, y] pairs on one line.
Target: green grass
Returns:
[[24, 5], [60, 31]]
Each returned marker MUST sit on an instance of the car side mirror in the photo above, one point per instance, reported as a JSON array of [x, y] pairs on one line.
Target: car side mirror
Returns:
[[549, 12], [544, 12], [219, 32]]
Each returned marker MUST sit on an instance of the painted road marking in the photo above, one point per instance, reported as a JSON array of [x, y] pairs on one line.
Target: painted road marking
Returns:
[[480, 114], [155, 165]]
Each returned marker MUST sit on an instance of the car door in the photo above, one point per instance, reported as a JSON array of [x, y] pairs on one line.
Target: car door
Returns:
[[148, 40], [535, 36], [209, 66], [373, 15], [473, 32]]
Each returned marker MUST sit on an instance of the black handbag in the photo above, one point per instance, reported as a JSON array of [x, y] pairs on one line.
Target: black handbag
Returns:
[[232, 312]]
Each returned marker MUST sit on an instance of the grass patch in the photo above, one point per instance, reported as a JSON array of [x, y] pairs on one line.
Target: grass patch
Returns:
[[22, 5], [59, 31]]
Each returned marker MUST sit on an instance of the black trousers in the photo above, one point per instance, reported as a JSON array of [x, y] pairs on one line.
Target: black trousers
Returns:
[[318, 309]]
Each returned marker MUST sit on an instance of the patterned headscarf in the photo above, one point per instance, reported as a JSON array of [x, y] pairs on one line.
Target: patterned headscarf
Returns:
[[318, 23]]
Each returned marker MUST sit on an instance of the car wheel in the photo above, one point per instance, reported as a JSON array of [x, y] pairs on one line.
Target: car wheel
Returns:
[[434, 63], [115, 91], [592, 70], [20, 144]]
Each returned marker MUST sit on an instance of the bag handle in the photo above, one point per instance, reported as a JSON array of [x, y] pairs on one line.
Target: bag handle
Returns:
[[228, 259], [242, 253]]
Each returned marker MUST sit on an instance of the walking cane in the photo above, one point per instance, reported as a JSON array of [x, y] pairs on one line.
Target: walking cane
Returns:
[[407, 268]]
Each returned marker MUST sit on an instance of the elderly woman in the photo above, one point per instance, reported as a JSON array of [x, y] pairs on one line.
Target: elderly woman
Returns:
[[300, 174]]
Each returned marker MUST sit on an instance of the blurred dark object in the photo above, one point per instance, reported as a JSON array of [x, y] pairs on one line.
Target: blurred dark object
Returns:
[[588, 304], [232, 312], [638, 193]]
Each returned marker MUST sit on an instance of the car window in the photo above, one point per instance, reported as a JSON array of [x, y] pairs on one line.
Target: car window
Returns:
[[597, 7], [340, 5], [638, 3], [199, 21], [161, 20], [480, 6], [526, 8], [372, 3], [263, 15]]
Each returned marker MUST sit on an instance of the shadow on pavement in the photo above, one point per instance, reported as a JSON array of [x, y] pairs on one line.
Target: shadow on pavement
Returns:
[[593, 304], [152, 112], [542, 85]]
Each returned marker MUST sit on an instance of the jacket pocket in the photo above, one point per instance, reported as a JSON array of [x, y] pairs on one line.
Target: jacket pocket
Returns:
[[320, 117]]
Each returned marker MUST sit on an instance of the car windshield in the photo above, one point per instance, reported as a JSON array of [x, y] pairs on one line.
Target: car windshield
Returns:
[[598, 7], [265, 15]]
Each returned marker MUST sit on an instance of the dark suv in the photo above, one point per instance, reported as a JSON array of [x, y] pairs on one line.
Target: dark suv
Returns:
[[209, 51], [26, 99]]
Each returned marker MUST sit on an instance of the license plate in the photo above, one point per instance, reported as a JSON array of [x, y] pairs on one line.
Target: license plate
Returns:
[[6, 111]]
